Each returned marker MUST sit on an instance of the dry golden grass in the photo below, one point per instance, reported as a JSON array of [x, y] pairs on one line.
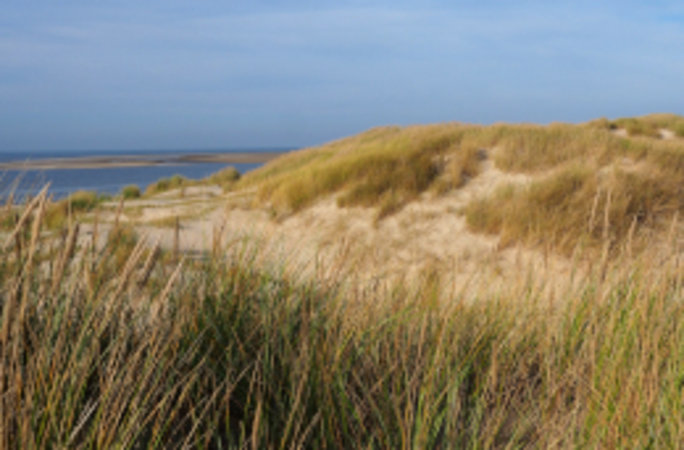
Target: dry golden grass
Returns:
[[406, 161], [130, 192], [647, 126], [59, 213], [637, 127], [111, 347], [387, 167], [534, 148], [670, 122], [578, 171], [460, 167], [224, 178], [166, 184], [678, 129], [578, 206]]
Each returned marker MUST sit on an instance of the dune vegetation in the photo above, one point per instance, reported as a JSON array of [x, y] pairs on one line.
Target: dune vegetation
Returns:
[[578, 172], [651, 125], [59, 213], [130, 192], [166, 184], [577, 206], [224, 178], [120, 345]]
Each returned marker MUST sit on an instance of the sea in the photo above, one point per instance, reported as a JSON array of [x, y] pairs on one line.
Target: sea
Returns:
[[108, 180]]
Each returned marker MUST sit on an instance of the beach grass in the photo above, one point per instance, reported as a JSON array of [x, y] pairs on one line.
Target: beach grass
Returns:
[[225, 178], [117, 348], [130, 192], [59, 213], [113, 343], [167, 184], [579, 206], [648, 126], [388, 166], [573, 168]]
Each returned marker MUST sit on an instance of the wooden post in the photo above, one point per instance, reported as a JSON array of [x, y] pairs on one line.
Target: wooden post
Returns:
[[17, 248], [119, 210], [176, 240], [215, 242], [96, 223], [17, 241], [10, 202]]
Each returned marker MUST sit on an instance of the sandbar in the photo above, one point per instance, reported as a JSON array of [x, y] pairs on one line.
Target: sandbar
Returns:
[[120, 161]]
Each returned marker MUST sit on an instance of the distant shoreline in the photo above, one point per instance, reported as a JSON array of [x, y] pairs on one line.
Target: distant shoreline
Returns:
[[122, 161]]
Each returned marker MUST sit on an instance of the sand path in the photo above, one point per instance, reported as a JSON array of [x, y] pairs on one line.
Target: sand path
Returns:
[[426, 238]]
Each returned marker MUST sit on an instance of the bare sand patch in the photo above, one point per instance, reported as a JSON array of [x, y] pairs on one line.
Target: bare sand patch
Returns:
[[427, 238], [667, 134]]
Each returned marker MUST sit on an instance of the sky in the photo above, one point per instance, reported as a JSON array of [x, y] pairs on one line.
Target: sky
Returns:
[[172, 74]]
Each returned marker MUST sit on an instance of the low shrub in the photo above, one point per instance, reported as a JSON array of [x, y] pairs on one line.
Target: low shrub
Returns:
[[58, 213], [224, 178], [166, 184], [131, 191]]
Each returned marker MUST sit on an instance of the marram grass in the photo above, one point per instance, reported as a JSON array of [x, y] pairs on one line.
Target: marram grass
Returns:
[[575, 172], [103, 351]]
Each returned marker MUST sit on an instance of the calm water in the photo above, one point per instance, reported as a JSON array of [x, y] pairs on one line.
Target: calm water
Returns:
[[106, 181]]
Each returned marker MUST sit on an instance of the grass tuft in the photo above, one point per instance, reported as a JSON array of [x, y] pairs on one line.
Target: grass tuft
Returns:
[[58, 214], [386, 168], [115, 345], [383, 166], [117, 348], [130, 192], [224, 178], [578, 206], [636, 127], [393, 166], [167, 184]]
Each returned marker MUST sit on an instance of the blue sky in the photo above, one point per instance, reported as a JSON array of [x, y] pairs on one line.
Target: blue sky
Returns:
[[206, 74]]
